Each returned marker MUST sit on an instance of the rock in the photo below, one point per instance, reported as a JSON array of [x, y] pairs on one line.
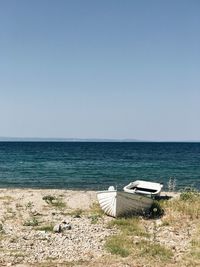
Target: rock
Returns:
[[66, 226], [57, 228]]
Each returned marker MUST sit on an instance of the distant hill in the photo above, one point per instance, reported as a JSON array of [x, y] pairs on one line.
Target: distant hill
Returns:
[[38, 139]]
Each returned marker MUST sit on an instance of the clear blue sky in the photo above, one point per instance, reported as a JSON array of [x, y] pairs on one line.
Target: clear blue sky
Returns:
[[100, 69]]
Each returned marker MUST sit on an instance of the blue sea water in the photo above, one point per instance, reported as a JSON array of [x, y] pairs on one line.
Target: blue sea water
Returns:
[[96, 165]]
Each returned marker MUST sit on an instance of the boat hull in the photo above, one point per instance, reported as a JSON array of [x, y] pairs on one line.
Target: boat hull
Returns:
[[144, 188], [117, 204]]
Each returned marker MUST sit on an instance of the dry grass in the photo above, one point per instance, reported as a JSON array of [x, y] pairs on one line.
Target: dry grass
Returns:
[[55, 201], [134, 244], [187, 207]]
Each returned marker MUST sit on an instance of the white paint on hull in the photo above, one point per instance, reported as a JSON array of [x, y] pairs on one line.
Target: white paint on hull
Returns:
[[117, 204]]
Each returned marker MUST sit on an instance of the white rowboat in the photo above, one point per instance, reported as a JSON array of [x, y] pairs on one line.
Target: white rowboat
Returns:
[[144, 188], [117, 204]]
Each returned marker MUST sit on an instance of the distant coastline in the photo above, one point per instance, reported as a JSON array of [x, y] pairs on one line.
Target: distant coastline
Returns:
[[127, 140], [39, 139]]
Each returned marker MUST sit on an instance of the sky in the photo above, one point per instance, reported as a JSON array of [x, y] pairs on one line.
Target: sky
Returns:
[[100, 69]]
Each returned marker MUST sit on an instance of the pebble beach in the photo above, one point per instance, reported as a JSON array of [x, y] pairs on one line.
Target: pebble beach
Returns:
[[58, 226]]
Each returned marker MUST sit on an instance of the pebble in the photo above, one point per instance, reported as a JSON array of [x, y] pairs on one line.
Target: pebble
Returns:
[[57, 228]]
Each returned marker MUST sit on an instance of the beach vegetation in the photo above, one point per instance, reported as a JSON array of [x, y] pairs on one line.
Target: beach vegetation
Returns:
[[189, 194], [54, 201], [188, 205], [95, 213], [133, 239], [48, 199], [129, 226], [96, 209], [29, 205], [94, 218], [46, 228], [58, 203], [76, 213], [192, 257], [7, 198], [118, 245], [153, 250], [31, 222]]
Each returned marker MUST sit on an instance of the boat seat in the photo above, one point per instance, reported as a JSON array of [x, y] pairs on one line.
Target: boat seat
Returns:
[[144, 189]]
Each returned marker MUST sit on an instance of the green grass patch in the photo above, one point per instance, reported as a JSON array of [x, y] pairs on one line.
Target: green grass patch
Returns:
[[118, 245], [95, 213], [95, 209], [154, 251], [129, 226]]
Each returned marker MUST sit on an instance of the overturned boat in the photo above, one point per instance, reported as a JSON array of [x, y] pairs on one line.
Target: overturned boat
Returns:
[[115, 203], [144, 188]]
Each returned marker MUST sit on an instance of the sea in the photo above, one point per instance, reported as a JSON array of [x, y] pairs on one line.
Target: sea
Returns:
[[97, 165]]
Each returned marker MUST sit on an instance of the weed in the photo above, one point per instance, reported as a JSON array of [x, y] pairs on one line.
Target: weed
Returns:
[[188, 205], [46, 228], [154, 250], [59, 204], [76, 213], [95, 209], [56, 202], [95, 213], [128, 226], [31, 222], [9, 198], [29, 205], [189, 194], [48, 199], [94, 218], [118, 245]]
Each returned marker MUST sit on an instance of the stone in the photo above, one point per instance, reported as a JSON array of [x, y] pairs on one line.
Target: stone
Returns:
[[66, 226], [57, 228]]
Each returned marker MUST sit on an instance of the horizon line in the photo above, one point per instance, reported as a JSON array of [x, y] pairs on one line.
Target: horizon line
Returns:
[[71, 139]]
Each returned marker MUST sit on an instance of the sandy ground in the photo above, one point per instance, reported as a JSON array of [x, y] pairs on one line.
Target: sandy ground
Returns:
[[27, 220]]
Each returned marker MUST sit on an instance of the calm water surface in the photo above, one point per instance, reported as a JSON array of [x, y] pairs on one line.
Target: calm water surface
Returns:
[[96, 165]]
